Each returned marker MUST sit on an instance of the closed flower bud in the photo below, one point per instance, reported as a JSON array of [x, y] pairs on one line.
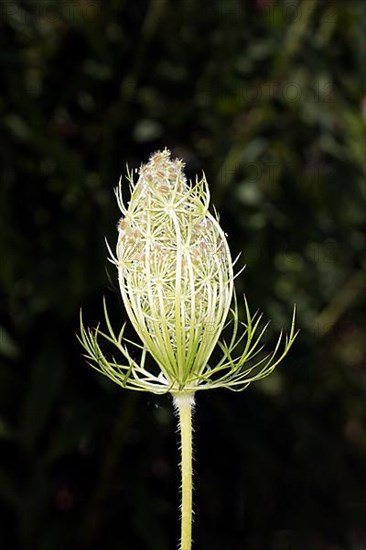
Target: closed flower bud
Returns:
[[175, 269], [176, 279]]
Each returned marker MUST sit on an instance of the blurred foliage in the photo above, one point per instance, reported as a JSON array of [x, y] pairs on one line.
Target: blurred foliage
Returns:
[[268, 97]]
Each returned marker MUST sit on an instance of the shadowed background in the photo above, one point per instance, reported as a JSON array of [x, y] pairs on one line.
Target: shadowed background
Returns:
[[268, 98]]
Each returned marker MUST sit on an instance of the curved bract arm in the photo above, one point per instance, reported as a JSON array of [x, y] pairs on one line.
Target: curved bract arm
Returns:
[[131, 375]]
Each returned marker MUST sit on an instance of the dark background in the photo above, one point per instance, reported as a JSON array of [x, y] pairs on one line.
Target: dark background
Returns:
[[268, 98]]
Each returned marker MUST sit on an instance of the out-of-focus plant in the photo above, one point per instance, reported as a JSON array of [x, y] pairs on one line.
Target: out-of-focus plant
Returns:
[[177, 283]]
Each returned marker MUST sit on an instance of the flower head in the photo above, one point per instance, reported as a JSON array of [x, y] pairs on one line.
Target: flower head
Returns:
[[176, 279]]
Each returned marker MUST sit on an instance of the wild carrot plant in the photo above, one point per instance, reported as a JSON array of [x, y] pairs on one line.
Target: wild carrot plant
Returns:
[[177, 283]]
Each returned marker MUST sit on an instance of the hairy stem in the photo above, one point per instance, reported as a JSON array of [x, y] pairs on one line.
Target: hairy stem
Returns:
[[184, 404]]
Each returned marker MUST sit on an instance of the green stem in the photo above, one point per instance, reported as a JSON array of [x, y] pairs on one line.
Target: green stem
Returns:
[[184, 403]]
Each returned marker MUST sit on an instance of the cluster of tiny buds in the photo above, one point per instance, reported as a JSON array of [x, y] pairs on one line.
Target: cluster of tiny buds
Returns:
[[200, 245], [163, 173], [148, 241]]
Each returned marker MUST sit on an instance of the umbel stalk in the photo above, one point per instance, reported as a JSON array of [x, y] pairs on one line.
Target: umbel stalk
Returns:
[[184, 403]]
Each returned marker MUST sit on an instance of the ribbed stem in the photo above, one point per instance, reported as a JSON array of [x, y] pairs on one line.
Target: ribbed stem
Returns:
[[184, 404]]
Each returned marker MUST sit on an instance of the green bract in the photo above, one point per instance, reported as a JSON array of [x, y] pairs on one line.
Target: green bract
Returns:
[[176, 279]]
